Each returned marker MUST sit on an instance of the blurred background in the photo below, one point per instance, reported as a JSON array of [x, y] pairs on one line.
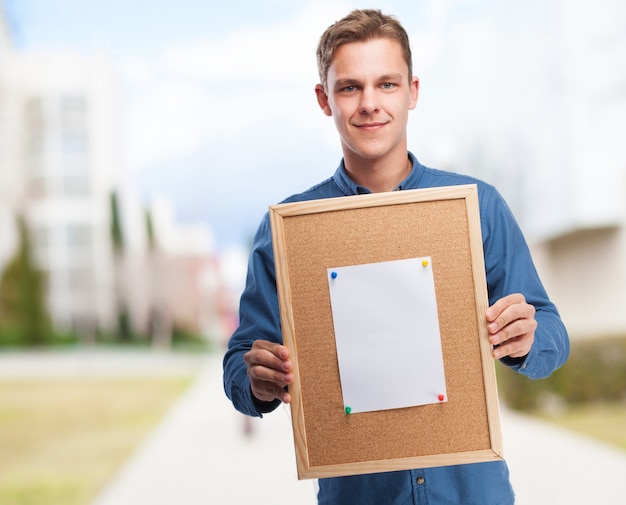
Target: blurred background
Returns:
[[142, 141]]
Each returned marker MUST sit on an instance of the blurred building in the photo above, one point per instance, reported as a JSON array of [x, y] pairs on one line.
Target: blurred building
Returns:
[[582, 254], [181, 286], [59, 159], [537, 96], [9, 143], [530, 96], [61, 162], [72, 155]]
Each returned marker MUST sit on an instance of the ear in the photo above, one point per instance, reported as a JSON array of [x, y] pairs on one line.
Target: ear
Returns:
[[414, 92], [322, 99]]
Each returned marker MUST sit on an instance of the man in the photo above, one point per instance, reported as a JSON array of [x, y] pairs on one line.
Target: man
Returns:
[[367, 87]]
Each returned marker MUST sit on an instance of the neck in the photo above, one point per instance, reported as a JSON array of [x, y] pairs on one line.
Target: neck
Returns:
[[379, 175]]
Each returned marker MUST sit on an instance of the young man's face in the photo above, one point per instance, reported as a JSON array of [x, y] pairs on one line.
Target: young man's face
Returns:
[[369, 95]]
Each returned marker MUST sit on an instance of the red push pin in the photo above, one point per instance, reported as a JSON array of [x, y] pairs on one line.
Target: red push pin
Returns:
[[441, 398]]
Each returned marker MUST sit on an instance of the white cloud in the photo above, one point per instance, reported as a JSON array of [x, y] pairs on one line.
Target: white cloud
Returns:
[[249, 88]]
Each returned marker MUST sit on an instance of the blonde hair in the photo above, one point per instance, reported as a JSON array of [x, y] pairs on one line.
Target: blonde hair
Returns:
[[360, 26]]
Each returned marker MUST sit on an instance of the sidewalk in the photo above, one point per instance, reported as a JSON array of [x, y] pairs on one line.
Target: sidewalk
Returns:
[[551, 466], [199, 455]]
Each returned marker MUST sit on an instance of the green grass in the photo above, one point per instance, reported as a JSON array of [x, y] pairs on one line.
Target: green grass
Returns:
[[61, 440], [605, 422]]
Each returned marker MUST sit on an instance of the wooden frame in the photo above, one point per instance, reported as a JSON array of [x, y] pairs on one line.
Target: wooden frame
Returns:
[[311, 236]]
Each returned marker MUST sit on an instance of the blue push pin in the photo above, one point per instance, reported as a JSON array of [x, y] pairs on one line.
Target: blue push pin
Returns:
[[333, 275]]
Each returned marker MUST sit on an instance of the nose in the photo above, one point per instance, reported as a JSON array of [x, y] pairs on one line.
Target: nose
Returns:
[[369, 101]]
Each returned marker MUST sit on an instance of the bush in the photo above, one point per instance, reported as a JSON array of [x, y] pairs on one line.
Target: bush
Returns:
[[22, 295], [185, 339], [13, 337], [594, 372]]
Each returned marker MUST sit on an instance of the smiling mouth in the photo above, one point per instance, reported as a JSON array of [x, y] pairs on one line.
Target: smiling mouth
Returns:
[[370, 126]]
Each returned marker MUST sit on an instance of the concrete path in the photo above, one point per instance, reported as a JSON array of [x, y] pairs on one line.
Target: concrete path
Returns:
[[550, 466], [199, 455]]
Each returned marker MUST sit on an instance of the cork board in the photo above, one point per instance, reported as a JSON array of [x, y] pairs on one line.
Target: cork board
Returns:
[[310, 237]]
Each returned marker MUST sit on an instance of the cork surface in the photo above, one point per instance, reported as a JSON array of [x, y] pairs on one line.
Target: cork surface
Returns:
[[314, 242]]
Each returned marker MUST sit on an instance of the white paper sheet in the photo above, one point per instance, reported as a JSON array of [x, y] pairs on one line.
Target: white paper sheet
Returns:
[[387, 334]]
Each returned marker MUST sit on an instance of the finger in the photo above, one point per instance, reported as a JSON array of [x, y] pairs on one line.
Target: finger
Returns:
[[268, 355], [503, 304], [262, 366], [267, 391], [517, 328], [515, 348], [512, 313], [264, 374], [278, 350], [269, 370]]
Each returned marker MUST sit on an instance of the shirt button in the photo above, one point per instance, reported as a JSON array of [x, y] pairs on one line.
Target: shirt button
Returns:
[[420, 480]]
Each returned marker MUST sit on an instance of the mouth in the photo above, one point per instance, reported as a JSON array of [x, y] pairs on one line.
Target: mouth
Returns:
[[370, 126]]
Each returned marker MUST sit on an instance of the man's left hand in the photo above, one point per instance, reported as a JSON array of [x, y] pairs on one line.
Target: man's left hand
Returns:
[[511, 325]]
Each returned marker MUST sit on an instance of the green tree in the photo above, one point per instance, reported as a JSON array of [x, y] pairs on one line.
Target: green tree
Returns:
[[22, 295], [161, 324], [124, 327], [117, 237], [150, 231]]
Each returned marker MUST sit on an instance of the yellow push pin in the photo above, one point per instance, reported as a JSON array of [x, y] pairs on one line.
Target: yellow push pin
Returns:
[[424, 263]]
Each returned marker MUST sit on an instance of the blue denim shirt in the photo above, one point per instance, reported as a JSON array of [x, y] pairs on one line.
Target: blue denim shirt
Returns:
[[509, 268]]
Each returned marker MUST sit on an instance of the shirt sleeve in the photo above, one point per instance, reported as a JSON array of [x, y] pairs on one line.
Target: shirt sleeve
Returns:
[[259, 318], [510, 269]]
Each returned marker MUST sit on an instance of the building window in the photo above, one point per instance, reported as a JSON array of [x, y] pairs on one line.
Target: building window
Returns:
[[35, 136], [80, 279], [75, 185], [57, 144], [34, 119], [74, 115], [74, 146], [72, 143], [40, 236], [79, 235], [73, 125]]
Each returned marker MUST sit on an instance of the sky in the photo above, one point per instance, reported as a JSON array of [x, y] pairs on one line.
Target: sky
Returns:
[[219, 102], [221, 115]]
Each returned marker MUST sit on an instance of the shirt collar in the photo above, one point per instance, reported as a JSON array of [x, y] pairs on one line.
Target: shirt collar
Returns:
[[349, 187]]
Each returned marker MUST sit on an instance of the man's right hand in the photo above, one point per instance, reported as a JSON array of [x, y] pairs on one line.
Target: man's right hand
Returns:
[[270, 370]]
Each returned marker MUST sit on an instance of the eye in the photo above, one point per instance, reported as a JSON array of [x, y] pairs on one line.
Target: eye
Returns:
[[349, 89], [388, 85]]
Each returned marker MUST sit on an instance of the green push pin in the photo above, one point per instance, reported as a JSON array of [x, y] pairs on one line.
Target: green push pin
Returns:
[[348, 409]]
